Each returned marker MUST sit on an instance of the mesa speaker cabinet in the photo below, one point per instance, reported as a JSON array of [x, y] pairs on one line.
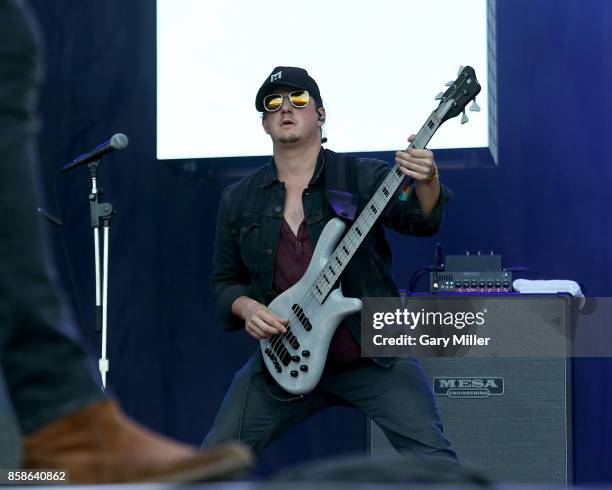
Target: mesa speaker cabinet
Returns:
[[509, 417]]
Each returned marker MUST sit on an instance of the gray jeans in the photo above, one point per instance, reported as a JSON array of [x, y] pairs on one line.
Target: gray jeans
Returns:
[[256, 410], [47, 371]]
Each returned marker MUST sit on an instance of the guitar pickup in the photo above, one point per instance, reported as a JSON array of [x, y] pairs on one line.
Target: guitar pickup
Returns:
[[282, 352], [301, 316], [293, 341], [306, 323]]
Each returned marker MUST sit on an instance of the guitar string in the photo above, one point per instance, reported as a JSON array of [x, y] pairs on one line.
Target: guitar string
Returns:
[[422, 138], [309, 299]]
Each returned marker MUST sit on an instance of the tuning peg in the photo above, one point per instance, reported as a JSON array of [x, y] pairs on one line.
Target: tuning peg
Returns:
[[464, 118], [449, 84], [474, 107], [460, 70], [439, 96]]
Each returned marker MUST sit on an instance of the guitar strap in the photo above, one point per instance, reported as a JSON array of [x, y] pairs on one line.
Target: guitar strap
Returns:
[[341, 184]]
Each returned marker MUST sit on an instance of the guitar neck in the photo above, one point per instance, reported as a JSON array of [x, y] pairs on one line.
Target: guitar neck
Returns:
[[363, 224]]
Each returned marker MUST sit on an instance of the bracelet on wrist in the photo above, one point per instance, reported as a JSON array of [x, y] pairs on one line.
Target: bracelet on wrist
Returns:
[[435, 177]]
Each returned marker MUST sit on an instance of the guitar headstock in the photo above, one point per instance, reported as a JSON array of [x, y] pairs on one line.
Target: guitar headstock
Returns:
[[458, 95]]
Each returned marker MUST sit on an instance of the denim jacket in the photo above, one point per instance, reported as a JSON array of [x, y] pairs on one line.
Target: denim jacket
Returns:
[[249, 221]]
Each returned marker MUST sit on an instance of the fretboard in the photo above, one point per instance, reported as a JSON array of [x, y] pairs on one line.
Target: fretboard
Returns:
[[372, 211]]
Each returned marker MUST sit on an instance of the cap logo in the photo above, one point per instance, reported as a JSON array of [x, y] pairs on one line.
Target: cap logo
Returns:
[[276, 76]]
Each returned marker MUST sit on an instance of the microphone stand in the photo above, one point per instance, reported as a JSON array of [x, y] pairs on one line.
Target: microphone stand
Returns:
[[100, 214]]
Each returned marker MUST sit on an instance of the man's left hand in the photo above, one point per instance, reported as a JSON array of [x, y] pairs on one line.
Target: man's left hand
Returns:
[[418, 164]]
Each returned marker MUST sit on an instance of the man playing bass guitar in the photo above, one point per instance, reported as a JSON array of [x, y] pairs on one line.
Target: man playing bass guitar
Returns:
[[268, 225]]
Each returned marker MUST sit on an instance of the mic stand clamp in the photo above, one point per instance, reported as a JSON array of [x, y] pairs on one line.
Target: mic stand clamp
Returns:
[[100, 215]]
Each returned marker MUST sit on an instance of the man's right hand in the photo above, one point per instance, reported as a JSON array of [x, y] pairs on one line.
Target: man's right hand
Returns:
[[259, 321]]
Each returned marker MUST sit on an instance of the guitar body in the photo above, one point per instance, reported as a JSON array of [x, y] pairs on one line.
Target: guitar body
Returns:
[[324, 320]]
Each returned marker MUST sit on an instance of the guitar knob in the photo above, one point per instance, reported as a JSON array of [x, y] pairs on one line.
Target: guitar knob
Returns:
[[474, 107], [464, 118], [295, 358], [303, 368], [306, 353], [294, 374]]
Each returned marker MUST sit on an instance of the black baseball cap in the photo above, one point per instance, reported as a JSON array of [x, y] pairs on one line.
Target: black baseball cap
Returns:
[[287, 76]]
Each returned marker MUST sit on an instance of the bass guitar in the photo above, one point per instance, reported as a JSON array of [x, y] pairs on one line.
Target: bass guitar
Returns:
[[315, 306]]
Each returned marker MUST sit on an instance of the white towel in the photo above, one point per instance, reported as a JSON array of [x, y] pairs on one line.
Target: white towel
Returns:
[[552, 286]]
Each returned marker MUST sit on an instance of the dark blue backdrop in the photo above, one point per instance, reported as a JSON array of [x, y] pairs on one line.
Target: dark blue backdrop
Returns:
[[545, 207]]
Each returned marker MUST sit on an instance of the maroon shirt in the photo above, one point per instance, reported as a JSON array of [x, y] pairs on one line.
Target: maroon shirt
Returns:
[[293, 255]]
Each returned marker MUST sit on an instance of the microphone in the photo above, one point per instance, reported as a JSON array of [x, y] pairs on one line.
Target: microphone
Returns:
[[118, 142]]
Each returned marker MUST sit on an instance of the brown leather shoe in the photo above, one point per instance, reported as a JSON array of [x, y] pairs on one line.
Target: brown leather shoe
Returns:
[[99, 444]]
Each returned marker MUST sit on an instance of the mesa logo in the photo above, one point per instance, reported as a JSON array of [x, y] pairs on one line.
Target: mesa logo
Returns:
[[468, 387]]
